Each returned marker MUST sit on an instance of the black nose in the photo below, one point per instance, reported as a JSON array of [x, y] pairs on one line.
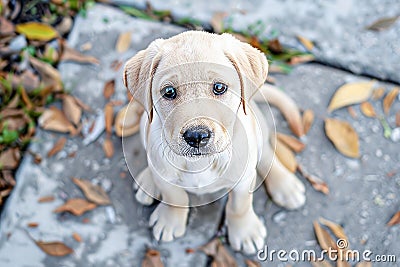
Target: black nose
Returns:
[[197, 138]]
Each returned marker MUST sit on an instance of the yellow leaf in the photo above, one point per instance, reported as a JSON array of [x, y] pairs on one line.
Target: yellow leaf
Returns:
[[308, 119], [123, 42], [305, 42], [286, 156], [336, 229], [325, 241], [343, 137], [37, 31], [351, 93], [389, 99], [368, 110]]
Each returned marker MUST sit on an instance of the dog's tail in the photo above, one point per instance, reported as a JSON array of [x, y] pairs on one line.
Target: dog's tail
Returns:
[[284, 103]]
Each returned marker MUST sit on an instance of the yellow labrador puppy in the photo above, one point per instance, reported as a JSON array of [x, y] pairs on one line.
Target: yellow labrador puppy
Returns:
[[204, 135]]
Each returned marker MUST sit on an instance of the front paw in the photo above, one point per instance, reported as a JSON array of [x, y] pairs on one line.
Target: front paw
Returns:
[[246, 233], [286, 191], [168, 222]]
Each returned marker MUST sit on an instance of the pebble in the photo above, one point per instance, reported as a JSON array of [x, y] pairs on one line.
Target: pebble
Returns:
[[110, 211], [395, 136], [18, 43], [378, 153], [279, 216]]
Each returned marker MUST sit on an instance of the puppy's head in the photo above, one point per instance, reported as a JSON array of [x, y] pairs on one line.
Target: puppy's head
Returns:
[[196, 83]]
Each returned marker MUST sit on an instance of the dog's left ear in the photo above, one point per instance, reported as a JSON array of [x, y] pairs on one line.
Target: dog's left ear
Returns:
[[250, 64]]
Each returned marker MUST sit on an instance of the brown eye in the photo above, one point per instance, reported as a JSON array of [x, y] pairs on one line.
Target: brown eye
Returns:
[[219, 88], [168, 92]]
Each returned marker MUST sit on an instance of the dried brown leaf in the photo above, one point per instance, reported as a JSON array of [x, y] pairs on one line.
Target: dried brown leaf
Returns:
[[301, 59], [352, 112], [70, 54], [305, 42], [71, 109], [336, 229], [308, 119], [77, 237], [6, 26], [292, 142], [92, 192], [108, 118], [368, 110], [108, 148], [382, 24], [216, 250], [58, 146], [343, 136], [33, 224], [273, 45], [324, 239], [398, 119], [286, 156], [389, 99], [9, 159], [378, 93], [123, 42], [56, 248], [76, 206], [25, 98], [364, 264], [128, 125], [351, 93], [109, 89], [51, 78], [217, 21], [55, 120], [395, 219], [342, 263], [46, 199], [152, 259], [316, 183]]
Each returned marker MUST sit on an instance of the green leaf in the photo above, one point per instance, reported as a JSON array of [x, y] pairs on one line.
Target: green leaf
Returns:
[[37, 31], [135, 12], [8, 136], [387, 131]]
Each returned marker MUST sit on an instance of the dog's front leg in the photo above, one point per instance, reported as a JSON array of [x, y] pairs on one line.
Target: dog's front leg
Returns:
[[169, 220], [245, 230]]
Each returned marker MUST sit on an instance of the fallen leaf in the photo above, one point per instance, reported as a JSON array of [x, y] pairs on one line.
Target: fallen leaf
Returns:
[[65, 25], [77, 237], [56, 248], [76, 206], [368, 110], [109, 89], [395, 219], [123, 42], [81, 104], [54, 119], [108, 148], [398, 119], [352, 112], [318, 263], [286, 156], [86, 46], [378, 93], [336, 229], [9, 159], [342, 263], [290, 141], [70, 54], [58, 146], [252, 263], [6, 27], [274, 46], [389, 99], [46, 199], [33, 224], [25, 98], [305, 42], [216, 250], [217, 21], [308, 119], [37, 31], [343, 136], [50, 76], [27, 79], [382, 24], [351, 93], [315, 182], [152, 259], [301, 59], [71, 109], [126, 125], [92, 192], [108, 118], [364, 264], [325, 241]]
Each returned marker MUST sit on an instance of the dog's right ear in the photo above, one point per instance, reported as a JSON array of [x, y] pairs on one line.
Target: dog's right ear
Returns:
[[139, 72]]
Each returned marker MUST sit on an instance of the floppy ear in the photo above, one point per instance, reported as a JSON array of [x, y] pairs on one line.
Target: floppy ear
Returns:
[[139, 72], [250, 64]]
